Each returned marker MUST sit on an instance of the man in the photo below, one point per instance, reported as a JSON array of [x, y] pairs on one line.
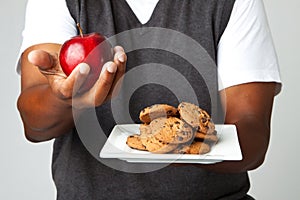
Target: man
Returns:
[[232, 34]]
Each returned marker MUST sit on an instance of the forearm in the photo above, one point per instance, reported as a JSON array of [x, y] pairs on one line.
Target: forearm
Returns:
[[45, 102], [249, 107], [44, 115]]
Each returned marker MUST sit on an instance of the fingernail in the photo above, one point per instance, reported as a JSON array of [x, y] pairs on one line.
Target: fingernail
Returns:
[[31, 56], [121, 58], [111, 68], [84, 68]]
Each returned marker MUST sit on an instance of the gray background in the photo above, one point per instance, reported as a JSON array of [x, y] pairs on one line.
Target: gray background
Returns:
[[25, 171]]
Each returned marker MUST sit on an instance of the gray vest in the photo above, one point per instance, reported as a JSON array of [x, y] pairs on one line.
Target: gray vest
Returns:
[[172, 58]]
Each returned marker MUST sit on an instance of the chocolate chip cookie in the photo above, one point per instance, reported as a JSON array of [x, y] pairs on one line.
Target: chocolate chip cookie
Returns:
[[207, 138], [134, 141], [199, 148], [196, 147], [196, 117], [156, 146], [156, 111], [187, 129], [171, 130]]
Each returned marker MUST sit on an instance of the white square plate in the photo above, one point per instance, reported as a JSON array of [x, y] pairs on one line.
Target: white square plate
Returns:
[[227, 148]]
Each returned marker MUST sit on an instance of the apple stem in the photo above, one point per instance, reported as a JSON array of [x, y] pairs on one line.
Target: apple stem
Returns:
[[80, 29]]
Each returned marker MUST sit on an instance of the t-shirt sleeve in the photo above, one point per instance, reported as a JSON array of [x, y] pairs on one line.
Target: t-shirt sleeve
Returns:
[[246, 51], [46, 22]]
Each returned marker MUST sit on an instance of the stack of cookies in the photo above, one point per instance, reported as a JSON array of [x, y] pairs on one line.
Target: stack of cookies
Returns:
[[186, 129]]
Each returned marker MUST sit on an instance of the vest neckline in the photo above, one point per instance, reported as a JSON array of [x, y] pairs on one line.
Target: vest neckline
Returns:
[[134, 17], [143, 10]]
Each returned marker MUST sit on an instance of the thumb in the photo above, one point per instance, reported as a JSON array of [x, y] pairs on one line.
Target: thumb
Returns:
[[42, 59]]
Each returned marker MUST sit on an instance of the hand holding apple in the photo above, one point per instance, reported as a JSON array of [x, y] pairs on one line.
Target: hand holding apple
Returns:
[[45, 57], [92, 49]]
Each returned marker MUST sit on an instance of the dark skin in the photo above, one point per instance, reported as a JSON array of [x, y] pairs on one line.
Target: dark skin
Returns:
[[248, 106], [53, 94]]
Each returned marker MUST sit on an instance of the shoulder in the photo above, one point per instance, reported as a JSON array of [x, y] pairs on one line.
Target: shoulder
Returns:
[[39, 4], [247, 9], [46, 21], [246, 52]]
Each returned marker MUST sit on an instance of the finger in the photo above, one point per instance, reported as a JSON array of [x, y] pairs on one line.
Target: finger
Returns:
[[109, 67], [119, 55], [42, 59], [97, 94], [75, 80], [116, 86], [105, 82], [120, 59]]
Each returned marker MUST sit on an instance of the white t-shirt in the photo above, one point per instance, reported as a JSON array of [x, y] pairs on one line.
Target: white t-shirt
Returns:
[[245, 52]]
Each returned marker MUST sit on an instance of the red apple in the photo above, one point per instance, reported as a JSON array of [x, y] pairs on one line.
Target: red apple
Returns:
[[92, 49]]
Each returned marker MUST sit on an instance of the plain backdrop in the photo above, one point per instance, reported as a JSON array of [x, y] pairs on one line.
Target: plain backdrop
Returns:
[[25, 168]]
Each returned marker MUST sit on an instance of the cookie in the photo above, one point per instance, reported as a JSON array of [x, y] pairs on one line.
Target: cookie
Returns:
[[207, 128], [145, 129], [182, 149], [151, 143], [171, 130], [145, 133], [196, 117], [199, 148], [155, 146], [156, 111], [134, 141], [196, 147], [207, 138], [187, 129]]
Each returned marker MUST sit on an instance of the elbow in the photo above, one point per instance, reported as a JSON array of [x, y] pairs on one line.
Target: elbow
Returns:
[[254, 164], [255, 155], [254, 145], [31, 134], [253, 158], [35, 136], [250, 162], [21, 109], [246, 165], [30, 138]]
